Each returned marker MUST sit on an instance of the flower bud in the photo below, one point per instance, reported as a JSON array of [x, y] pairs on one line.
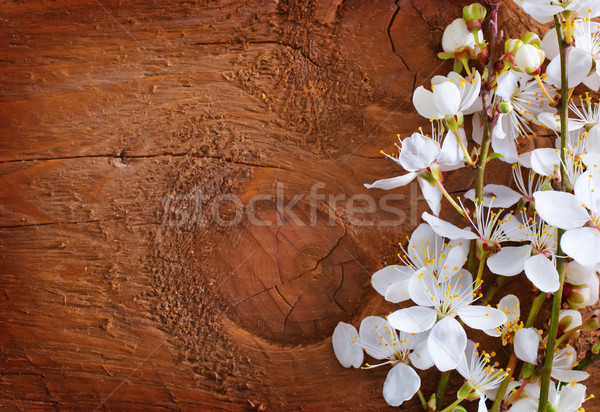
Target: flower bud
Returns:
[[505, 107], [568, 320], [511, 46], [551, 408], [593, 323], [457, 37], [579, 296], [529, 59], [473, 15], [533, 39], [528, 370]]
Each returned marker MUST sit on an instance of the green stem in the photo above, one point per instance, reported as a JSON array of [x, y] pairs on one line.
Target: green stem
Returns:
[[441, 389], [560, 264], [452, 405], [422, 399], [491, 291], [483, 154], [462, 146], [512, 364], [449, 198], [478, 280], [535, 309]]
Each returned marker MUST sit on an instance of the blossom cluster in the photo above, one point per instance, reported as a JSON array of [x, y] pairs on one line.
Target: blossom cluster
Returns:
[[545, 226]]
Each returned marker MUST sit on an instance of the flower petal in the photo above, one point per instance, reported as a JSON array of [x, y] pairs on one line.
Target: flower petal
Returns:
[[455, 259], [451, 156], [542, 273], [446, 98], [420, 357], [376, 337], [509, 304], [418, 152], [509, 260], [384, 278], [432, 194], [569, 375], [481, 317], [413, 320], [560, 209], [401, 384], [420, 287], [544, 161], [496, 195], [526, 344], [393, 182], [346, 345], [397, 292], [571, 397], [582, 244], [445, 229], [423, 102], [447, 342]]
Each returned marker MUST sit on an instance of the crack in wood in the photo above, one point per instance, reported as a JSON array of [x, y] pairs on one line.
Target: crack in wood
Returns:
[[389, 34], [77, 222]]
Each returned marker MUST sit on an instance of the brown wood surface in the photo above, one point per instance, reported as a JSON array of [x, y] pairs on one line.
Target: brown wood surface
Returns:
[[117, 117]]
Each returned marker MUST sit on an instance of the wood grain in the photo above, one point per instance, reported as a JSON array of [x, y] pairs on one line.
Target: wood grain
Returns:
[[125, 124]]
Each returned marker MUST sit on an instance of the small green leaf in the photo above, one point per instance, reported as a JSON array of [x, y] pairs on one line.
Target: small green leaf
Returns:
[[495, 155]]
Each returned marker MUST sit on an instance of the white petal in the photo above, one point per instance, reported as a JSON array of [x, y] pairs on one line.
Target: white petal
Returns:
[[569, 375], [401, 384], [384, 278], [477, 133], [423, 102], [423, 237], [509, 260], [470, 95], [452, 157], [544, 161], [509, 304], [542, 273], [481, 406], [420, 357], [587, 191], [560, 209], [482, 317], [413, 320], [432, 194], [526, 345], [578, 274], [446, 98], [397, 292], [550, 44], [347, 352], [418, 152], [504, 195], [445, 229], [583, 245], [393, 182], [571, 397], [580, 64], [507, 84], [421, 287], [593, 80], [506, 146], [376, 337], [446, 343], [455, 259]]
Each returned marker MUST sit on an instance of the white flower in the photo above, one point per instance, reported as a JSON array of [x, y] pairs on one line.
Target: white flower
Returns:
[[535, 181], [482, 378], [528, 102], [418, 154], [563, 363], [567, 399], [577, 214], [584, 54], [426, 252], [445, 300], [382, 342], [544, 10], [487, 225], [450, 96], [537, 257], [499, 195]]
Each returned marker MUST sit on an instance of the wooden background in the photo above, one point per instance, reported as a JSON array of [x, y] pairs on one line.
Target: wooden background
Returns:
[[122, 123]]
